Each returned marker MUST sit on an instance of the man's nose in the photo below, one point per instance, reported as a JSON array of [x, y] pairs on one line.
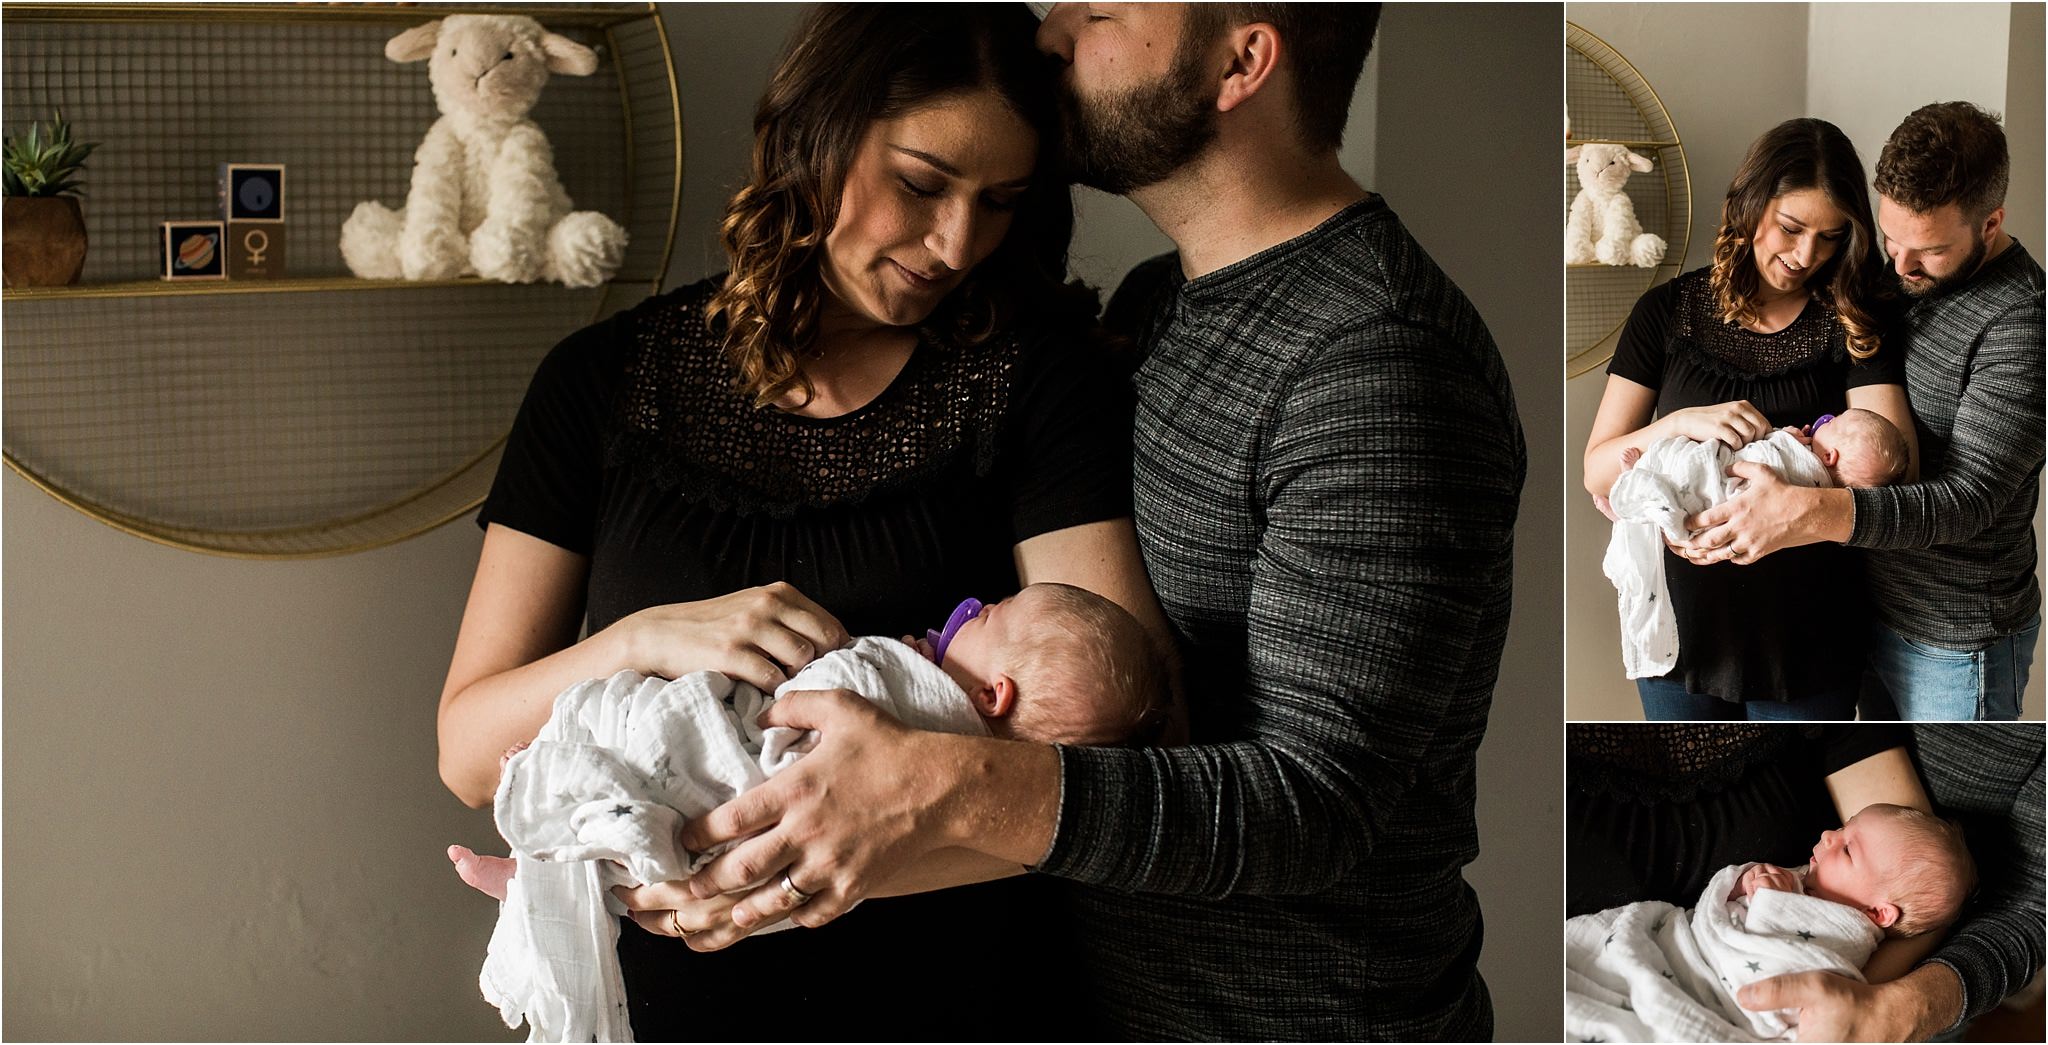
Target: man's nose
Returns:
[[1055, 37], [1905, 262]]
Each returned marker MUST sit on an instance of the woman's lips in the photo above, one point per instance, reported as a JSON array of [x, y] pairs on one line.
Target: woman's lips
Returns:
[[915, 279]]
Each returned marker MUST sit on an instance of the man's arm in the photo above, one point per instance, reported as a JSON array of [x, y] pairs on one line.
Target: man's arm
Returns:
[[1994, 446], [1389, 484], [1376, 616]]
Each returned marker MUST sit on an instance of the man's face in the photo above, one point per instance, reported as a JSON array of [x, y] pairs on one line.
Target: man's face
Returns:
[[1138, 100], [1933, 251]]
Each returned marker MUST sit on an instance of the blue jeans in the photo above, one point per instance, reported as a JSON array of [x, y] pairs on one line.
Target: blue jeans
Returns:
[[1918, 682], [1665, 700]]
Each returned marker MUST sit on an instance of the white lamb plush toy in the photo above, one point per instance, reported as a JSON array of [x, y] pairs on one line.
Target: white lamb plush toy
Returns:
[[1603, 225], [484, 199]]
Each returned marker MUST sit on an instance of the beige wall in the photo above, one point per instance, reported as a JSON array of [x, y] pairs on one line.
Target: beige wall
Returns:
[[1842, 62], [222, 817]]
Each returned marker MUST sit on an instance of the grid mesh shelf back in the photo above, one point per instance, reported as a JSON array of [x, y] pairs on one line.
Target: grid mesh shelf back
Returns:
[[1610, 102], [308, 422]]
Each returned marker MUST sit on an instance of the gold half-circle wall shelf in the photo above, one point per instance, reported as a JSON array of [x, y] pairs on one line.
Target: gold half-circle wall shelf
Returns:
[[1609, 101], [316, 414]]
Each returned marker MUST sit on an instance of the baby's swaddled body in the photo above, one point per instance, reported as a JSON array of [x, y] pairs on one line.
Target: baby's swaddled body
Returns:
[[1675, 478], [1651, 971]]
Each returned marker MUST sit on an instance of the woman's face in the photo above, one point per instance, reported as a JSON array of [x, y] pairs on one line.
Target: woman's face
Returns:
[[929, 194], [1799, 232]]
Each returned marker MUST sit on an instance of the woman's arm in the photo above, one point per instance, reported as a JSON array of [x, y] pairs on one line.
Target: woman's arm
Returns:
[[1103, 558], [1890, 402], [1886, 777], [1624, 422], [517, 649]]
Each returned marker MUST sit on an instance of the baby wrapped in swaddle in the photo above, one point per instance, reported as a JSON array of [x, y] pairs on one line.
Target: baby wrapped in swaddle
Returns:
[[1650, 971], [1674, 478], [597, 799]]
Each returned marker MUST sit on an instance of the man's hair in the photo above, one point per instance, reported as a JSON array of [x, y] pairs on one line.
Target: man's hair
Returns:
[[1327, 43], [1935, 873], [1947, 152], [1882, 440], [1088, 673]]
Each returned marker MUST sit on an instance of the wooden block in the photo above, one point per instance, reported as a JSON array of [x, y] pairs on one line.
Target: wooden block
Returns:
[[194, 250], [251, 191], [255, 250]]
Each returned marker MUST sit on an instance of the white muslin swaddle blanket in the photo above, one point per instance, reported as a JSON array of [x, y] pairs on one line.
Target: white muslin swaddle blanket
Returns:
[[1649, 971], [1677, 477], [595, 801]]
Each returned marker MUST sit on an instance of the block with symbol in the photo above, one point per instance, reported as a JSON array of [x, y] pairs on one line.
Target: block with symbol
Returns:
[[255, 250], [251, 192]]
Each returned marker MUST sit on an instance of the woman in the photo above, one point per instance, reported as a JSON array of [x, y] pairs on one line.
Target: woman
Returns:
[[1782, 328], [885, 405], [1652, 811]]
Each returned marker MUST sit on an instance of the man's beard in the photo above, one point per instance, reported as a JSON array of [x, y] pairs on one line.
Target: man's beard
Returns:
[[1935, 286], [1139, 137]]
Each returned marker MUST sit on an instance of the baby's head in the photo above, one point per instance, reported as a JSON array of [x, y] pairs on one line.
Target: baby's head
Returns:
[[1907, 871], [1058, 664], [1861, 448]]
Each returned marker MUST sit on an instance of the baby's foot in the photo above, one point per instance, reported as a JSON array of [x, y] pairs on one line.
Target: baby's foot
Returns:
[[1629, 456], [485, 874], [513, 750]]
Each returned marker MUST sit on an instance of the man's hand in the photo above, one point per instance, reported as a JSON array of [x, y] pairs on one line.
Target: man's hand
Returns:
[[1835, 1008], [869, 799], [1768, 516], [1767, 876]]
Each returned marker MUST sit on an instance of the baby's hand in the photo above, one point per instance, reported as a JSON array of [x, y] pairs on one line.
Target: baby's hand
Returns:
[[1767, 876], [1804, 434], [1629, 456], [923, 647]]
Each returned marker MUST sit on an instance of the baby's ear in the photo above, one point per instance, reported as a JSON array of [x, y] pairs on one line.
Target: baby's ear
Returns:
[[997, 699], [1884, 915]]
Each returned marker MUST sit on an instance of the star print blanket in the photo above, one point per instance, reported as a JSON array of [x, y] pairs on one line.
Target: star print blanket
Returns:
[[596, 801], [1649, 971], [1677, 477]]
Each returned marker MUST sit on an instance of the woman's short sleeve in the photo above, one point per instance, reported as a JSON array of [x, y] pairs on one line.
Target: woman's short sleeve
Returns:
[[551, 476], [1843, 746], [1066, 447], [1640, 354], [1887, 367]]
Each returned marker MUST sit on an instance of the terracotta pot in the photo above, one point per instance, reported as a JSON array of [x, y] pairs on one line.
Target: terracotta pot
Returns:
[[43, 241]]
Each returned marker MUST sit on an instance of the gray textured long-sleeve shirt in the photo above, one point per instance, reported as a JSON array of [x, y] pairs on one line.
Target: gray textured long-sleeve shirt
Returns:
[[1988, 777], [1952, 560], [1327, 469]]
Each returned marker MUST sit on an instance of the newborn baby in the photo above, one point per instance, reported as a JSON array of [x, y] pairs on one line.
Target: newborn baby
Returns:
[[598, 797], [1677, 477], [1649, 971]]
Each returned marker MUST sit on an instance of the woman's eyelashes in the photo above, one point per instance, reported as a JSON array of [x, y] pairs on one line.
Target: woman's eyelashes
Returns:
[[1002, 203]]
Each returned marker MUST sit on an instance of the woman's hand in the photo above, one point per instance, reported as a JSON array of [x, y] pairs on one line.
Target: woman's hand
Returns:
[[760, 635], [1735, 424], [668, 909]]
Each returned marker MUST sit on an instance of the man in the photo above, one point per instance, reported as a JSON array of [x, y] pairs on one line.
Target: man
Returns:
[[1951, 563], [1327, 470]]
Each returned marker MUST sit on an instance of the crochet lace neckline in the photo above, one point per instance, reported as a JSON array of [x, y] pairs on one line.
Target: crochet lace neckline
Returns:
[[680, 421]]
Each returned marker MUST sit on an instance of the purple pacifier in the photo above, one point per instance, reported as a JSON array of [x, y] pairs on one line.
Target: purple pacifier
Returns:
[[1819, 421], [941, 639]]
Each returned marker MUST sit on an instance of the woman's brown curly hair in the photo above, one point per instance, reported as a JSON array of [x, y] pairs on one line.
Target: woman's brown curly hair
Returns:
[[847, 66], [1801, 154]]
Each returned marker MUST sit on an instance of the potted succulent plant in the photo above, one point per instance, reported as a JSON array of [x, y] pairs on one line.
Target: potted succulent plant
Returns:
[[43, 241]]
